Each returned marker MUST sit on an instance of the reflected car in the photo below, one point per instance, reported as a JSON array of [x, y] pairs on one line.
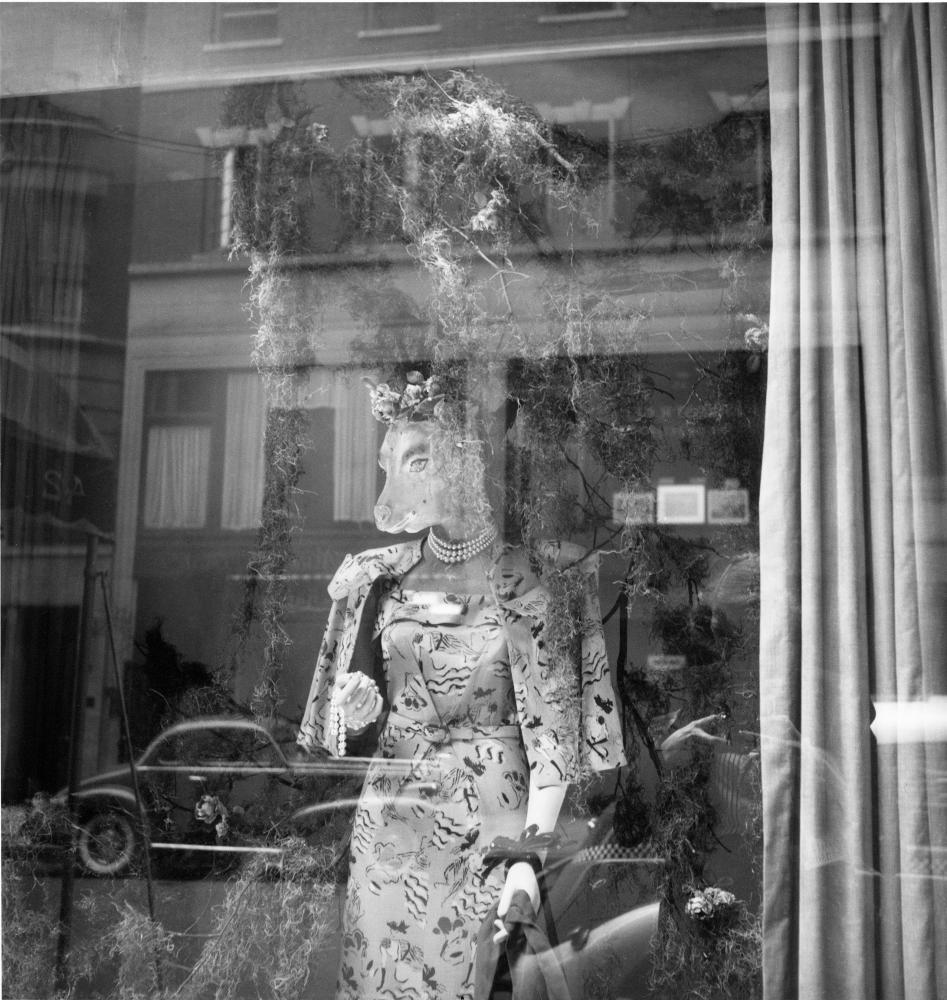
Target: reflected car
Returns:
[[221, 788]]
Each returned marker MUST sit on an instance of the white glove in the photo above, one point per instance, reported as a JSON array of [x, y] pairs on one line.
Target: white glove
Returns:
[[359, 698]]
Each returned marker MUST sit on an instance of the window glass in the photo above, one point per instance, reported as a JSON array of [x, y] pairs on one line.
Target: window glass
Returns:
[[246, 22], [394, 441], [400, 16]]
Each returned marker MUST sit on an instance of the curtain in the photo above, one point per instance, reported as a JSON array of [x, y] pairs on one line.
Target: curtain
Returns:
[[176, 477], [242, 499], [853, 507], [355, 439], [356, 452]]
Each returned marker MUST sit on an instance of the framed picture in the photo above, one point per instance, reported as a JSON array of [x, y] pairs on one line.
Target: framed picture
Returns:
[[729, 506], [682, 503], [635, 507]]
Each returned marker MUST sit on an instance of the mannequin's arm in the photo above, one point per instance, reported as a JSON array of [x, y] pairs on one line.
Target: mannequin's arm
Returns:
[[542, 811]]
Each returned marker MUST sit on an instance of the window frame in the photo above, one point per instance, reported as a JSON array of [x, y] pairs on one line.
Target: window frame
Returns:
[[212, 418], [372, 30], [225, 14], [615, 12]]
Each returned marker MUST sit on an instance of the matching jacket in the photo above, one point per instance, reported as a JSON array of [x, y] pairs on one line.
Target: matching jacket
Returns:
[[576, 739]]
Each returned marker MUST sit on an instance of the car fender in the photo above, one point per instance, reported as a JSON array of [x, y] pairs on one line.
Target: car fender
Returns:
[[628, 935]]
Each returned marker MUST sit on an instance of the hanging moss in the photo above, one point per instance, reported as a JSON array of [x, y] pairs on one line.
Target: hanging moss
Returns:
[[470, 176]]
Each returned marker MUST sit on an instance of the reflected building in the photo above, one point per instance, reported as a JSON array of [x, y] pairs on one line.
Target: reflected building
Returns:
[[166, 407]]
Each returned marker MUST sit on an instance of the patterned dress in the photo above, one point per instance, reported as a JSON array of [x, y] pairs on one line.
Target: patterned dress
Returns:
[[466, 680]]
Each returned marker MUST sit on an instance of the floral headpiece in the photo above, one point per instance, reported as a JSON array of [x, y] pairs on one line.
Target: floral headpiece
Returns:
[[420, 399]]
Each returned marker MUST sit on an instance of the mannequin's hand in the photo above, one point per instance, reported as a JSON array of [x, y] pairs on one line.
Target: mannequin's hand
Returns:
[[520, 876], [674, 748], [358, 697]]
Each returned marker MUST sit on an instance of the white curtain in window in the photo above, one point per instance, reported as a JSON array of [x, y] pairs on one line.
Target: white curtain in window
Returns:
[[242, 500], [356, 451], [176, 477], [355, 442]]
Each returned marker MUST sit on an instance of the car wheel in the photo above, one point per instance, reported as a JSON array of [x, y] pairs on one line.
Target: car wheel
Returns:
[[107, 843]]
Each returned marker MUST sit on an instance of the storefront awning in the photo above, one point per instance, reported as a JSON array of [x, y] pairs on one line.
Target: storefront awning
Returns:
[[44, 408]]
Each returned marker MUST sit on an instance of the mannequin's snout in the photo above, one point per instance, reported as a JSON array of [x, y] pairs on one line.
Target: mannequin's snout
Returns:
[[382, 516]]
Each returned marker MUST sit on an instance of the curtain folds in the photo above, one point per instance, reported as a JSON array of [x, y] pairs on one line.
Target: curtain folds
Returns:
[[176, 477], [242, 499], [356, 452], [853, 516], [354, 473]]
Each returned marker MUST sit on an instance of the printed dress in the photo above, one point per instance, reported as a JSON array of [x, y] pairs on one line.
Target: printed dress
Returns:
[[466, 679]]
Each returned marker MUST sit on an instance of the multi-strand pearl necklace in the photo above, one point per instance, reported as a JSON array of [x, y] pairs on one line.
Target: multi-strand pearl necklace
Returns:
[[458, 552]]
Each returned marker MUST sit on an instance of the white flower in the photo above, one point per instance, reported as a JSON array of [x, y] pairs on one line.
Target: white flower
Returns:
[[756, 336], [705, 904], [698, 907], [720, 899]]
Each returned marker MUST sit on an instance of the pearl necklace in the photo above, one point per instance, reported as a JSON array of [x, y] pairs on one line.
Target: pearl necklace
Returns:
[[458, 552], [335, 731]]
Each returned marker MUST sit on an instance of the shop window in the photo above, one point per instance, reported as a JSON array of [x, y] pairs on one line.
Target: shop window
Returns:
[[239, 24]]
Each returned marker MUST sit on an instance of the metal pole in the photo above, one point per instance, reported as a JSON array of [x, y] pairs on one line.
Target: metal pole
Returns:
[[126, 729], [75, 758]]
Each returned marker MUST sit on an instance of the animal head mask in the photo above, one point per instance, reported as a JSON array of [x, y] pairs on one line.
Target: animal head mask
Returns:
[[432, 473]]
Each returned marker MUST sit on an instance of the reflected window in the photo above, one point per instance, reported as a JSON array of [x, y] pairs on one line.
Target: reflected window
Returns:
[[204, 452], [399, 19], [204, 427], [178, 445], [581, 11], [246, 23]]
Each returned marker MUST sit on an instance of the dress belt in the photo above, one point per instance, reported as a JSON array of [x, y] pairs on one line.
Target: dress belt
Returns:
[[439, 735]]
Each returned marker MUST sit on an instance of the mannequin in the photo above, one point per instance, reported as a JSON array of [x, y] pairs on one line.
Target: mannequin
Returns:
[[440, 644]]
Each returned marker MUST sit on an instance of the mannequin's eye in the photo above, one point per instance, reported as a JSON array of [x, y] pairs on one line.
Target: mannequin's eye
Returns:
[[417, 465]]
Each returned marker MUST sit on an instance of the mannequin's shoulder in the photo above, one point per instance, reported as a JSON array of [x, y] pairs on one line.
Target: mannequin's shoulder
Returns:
[[361, 569], [514, 571], [520, 571]]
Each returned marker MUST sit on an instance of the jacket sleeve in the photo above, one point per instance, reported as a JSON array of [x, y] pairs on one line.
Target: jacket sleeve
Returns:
[[602, 744], [570, 718], [312, 730], [347, 642]]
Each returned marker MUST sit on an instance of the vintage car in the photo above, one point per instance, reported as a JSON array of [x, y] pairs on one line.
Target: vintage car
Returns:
[[217, 787], [216, 790]]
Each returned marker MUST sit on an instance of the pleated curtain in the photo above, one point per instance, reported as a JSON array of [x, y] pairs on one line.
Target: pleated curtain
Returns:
[[176, 477], [356, 451], [853, 508], [242, 499]]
